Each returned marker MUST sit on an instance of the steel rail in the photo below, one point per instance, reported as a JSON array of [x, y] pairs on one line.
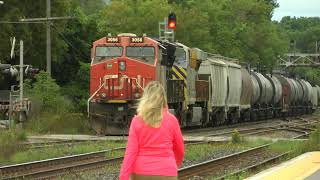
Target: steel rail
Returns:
[[256, 166], [216, 164], [55, 171], [49, 144], [24, 168]]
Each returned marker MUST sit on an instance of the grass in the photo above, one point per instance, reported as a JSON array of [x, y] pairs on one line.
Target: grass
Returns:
[[202, 151], [60, 123], [58, 151], [9, 140]]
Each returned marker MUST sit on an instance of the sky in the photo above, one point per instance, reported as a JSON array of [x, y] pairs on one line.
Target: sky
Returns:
[[297, 8]]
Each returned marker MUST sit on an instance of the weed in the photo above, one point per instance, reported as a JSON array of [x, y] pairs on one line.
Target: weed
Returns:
[[9, 141], [236, 137]]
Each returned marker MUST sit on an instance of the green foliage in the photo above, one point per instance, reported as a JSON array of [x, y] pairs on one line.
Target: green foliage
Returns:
[[236, 137], [78, 90], [46, 91], [52, 112], [9, 140], [241, 28], [33, 35], [61, 123], [304, 31]]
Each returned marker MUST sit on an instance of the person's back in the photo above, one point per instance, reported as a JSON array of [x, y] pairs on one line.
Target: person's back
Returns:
[[153, 151]]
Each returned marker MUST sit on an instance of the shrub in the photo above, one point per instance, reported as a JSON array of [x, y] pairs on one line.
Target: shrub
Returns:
[[52, 112], [9, 141], [78, 90], [236, 137]]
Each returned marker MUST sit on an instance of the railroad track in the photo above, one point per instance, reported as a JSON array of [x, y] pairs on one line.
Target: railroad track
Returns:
[[58, 166], [224, 165], [290, 126], [48, 144]]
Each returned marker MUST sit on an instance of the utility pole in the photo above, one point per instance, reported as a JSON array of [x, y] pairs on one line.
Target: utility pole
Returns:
[[46, 20], [21, 78], [48, 38]]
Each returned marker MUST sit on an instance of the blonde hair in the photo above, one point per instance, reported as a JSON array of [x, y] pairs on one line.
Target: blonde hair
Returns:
[[151, 104]]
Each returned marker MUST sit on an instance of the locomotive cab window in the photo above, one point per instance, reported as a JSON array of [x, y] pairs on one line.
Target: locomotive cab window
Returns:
[[181, 58], [144, 54], [107, 52]]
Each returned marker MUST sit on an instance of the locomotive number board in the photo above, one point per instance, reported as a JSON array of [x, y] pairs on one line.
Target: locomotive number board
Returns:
[[113, 40], [136, 39]]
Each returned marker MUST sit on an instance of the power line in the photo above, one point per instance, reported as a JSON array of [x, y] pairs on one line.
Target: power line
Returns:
[[19, 22], [71, 45]]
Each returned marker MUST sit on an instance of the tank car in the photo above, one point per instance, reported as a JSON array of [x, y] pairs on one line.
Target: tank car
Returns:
[[314, 100], [246, 94], [318, 90], [277, 94], [261, 107]]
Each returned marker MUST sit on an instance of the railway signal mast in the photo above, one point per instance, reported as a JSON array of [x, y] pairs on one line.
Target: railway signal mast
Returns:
[[167, 28], [297, 59]]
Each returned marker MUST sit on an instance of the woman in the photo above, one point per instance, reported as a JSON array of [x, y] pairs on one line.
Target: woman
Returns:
[[155, 146]]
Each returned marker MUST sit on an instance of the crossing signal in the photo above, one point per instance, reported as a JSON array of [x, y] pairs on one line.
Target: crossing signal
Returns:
[[172, 21]]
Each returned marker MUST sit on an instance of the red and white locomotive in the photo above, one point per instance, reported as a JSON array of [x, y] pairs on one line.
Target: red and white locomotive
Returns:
[[121, 66]]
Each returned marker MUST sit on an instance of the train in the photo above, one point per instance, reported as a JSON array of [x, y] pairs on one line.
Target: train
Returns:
[[203, 89], [11, 106]]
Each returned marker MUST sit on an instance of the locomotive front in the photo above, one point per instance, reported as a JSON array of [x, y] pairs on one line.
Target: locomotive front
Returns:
[[121, 67]]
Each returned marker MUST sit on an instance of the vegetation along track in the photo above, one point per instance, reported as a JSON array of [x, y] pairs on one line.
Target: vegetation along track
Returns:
[[221, 166], [59, 166]]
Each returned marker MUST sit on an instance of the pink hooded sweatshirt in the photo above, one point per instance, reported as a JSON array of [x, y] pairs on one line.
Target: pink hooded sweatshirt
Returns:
[[153, 151]]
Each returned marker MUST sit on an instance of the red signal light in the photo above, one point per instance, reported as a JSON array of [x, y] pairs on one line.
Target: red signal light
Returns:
[[172, 25], [172, 21]]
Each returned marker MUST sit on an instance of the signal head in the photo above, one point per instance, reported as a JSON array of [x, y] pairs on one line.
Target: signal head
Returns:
[[172, 21]]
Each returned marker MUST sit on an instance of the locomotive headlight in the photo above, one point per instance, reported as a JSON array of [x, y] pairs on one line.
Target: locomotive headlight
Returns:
[[103, 95], [122, 65], [137, 95]]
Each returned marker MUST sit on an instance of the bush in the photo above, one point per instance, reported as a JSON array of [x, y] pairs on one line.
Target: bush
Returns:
[[66, 123], [78, 90], [46, 92], [9, 142], [236, 137], [51, 111]]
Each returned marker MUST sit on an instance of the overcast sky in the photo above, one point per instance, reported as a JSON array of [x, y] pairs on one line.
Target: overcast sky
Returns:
[[307, 8]]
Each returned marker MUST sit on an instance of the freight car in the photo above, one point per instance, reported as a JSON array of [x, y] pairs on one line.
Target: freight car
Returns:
[[202, 89]]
